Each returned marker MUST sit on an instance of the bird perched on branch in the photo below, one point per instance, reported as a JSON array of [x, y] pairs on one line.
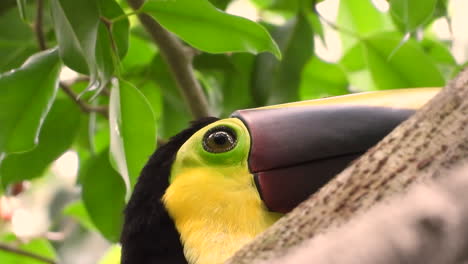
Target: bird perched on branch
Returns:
[[216, 185]]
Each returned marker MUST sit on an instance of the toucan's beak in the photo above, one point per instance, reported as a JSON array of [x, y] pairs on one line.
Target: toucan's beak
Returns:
[[297, 148]]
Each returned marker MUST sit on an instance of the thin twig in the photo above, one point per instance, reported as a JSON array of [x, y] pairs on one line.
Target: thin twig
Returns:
[[21, 252], [82, 104], [38, 25], [336, 27], [81, 78], [179, 62], [108, 24]]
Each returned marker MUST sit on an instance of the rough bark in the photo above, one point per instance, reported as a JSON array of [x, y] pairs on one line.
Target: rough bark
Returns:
[[429, 225], [430, 142]]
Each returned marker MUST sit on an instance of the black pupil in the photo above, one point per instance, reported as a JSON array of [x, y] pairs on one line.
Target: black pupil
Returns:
[[219, 139]]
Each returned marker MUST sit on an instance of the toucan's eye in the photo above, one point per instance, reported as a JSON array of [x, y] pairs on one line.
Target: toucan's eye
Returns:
[[219, 139]]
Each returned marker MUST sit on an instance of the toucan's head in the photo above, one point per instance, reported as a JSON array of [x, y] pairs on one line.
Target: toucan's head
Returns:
[[217, 184]]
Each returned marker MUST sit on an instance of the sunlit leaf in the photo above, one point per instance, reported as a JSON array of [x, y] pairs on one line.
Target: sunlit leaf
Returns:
[[360, 18], [140, 53], [380, 62], [26, 95], [132, 130], [103, 194], [411, 14], [322, 79], [209, 29], [56, 136]]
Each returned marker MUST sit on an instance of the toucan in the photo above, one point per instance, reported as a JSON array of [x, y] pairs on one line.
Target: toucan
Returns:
[[219, 183]]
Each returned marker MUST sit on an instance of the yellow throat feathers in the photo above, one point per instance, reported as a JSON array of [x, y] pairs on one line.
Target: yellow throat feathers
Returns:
[[218, 217]]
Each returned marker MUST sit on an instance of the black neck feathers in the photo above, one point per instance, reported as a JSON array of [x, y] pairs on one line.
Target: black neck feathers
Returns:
[[149, 235]]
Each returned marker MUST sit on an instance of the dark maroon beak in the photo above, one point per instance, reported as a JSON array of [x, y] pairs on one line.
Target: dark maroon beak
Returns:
[[295, 150]]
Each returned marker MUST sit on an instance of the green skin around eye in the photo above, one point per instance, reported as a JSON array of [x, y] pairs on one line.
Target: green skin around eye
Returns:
[[193, 155]]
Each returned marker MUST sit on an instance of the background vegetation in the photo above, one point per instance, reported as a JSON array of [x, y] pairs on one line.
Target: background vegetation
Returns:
[[106, 81]]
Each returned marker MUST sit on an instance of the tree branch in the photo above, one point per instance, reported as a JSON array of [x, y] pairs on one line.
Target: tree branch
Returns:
[[21, 252], [429, 225], [83, 105], [423, 147], [38, 25], [179, 59]]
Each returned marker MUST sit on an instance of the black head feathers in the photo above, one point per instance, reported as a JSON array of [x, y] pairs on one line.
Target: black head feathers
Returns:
[[149, 235]]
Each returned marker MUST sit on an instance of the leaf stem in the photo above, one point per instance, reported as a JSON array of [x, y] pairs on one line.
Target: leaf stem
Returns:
[[124, 16], [179, 59], [38, 25], [336, 27], [28, 254], [115, 56], [82, 104]]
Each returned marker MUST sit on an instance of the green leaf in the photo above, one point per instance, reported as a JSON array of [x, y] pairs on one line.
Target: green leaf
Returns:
[[442, 56], [322, 79], [237, 88], [286, 5], [103, 194], [175, 118], [22, 9], [263, 4], [77, 211], [220, 4], [140, 53], [153, 94], [441, 9], [203, 26], [412, 14], [355, 65], [362, 19], [17, 41], [85, 43], [112, 255], [278, 82], [56, 136], [41, 247], [132, 131], [382, 62], [232, 75], [6, 5], [26, 95], [316, 24]]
